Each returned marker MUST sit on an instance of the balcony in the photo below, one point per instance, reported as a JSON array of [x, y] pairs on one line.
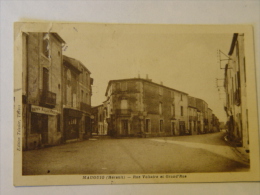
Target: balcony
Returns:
[[47, 98], [123, 111], [85, 107]]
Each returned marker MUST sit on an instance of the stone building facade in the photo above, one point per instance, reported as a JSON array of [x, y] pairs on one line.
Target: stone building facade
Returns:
[[202, 110], [100, 125], [42, 89], [200, 116], [56, 93], [140, 107], [215, 123], [77, 100], [236, 94], [210, 120], [193, 116]]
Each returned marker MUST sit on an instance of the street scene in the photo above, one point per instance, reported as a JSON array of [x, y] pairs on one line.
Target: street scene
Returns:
[[108, 100], [104, 155]]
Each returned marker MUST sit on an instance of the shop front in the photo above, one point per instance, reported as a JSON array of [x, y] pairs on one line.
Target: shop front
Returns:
[[44, 127], [72, 124]]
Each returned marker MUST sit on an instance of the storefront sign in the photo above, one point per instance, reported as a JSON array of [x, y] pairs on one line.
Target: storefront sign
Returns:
[[43, 110]]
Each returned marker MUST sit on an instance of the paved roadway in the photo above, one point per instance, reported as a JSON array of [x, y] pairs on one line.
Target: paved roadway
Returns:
[[182, 154]]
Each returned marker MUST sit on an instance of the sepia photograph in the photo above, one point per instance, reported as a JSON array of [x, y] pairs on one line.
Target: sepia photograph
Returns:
[[103, 103]]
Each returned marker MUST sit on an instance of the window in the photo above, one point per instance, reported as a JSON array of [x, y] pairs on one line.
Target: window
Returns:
[[87, 79], [147, 125], [124, 104], [82, 96], [81, 78], [74, 100], [160, 91], [45, 80], [68, 77], [118, 86], [181, 110], [45, 45], [161, 125], [124, 86], [160, 108], [172, 110], [172, 94]]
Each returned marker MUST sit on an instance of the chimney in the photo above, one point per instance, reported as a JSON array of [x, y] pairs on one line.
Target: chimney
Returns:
[[147, 78], [161, 83], [138, 76]]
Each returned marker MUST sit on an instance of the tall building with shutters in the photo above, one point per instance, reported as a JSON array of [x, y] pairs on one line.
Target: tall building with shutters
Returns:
[[236, 94], [76, 100], [140, 107], [56, 93], [42, 89]]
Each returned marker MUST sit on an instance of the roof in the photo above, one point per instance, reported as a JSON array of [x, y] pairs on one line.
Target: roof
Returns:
[[144, 80], [202, 100], [233, 43], [198, 99], [57, 36], [75, 63]]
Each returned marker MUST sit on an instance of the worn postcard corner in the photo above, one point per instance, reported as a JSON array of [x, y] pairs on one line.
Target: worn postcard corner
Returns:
[[126, 103]]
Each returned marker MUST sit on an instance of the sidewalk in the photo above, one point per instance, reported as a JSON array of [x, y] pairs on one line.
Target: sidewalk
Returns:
[[240, 151]]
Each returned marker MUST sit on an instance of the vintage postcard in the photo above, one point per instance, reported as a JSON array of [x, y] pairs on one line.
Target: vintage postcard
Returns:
[[134, 103]]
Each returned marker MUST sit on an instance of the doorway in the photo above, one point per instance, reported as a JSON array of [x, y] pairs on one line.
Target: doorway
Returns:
[[39, 124], [125, 127], [147, 125], [173, 128], [182, 127]]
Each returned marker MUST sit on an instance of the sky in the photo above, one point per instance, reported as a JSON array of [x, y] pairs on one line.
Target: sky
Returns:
[[186, 61]]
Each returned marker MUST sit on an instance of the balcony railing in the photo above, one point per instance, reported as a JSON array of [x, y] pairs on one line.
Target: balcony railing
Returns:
[[123, 111], [48, 98], [85, 107]]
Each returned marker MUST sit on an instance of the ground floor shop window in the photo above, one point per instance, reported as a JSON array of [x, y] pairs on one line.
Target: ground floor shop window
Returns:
[[72, 128]]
